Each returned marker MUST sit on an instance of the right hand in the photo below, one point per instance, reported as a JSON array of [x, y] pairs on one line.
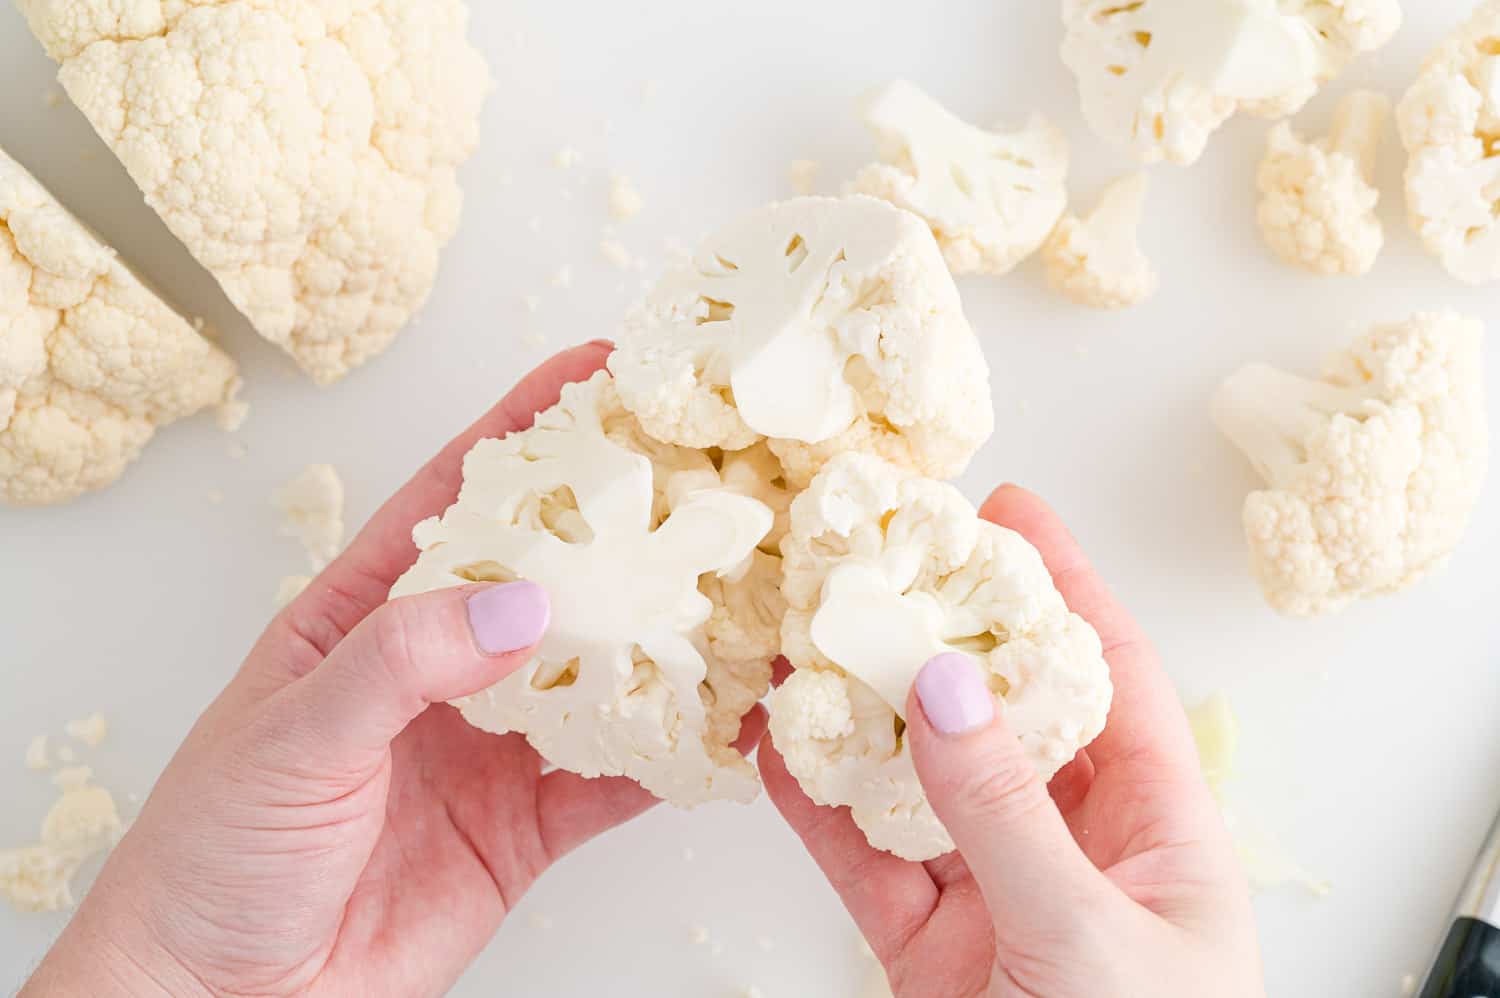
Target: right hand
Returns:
[[1120, 879]]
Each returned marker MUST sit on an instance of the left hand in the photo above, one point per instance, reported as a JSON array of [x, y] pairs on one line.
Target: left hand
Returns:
[[329, 827]]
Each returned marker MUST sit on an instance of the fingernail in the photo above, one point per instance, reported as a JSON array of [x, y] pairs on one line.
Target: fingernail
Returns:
[[509, 617], [953, 694]]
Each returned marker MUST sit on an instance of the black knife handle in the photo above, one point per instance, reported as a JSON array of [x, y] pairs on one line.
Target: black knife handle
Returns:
[[1468, 966]]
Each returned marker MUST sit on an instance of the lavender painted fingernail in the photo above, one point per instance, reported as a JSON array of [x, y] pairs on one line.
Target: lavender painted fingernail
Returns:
[[509, 617], [953, 694]]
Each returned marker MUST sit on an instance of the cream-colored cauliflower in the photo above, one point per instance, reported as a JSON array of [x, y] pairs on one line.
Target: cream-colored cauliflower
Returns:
[[991, 198], [1161, 76], [304, 150], [819, 325], [1372, 471], [1097, 261], [629, 680], [1450, 126], [883, 571], [92, 362], [83, 823], [1318, 199]]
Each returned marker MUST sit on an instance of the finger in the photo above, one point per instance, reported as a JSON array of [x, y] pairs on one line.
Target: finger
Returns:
[[1070, 787], [889, 898], [1145, 719], [985, 789]]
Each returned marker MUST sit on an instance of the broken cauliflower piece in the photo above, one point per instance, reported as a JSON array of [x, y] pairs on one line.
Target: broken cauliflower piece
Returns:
[[83, 823], [1450, 126], [627, 681], [991, 198], [312, 508], [1097, 261], [819, 325], [883, 571], [92, 362], [1318, 199], [1161, 76], [1372, 471], [304, 153]]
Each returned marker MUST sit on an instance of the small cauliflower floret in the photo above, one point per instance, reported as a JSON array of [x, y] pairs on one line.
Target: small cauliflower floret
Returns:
[[312, 510], [92, 362], [626, 535], [990, 197], [1097, 261], [1373, 471], [1161, 76], [819, 325], [83, 823], [883, 571], [1450, 126], [304, 150], [1318, 199]]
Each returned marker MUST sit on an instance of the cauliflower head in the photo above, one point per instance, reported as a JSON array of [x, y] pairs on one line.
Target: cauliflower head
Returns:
[[92, 362], [304, 150], [882, 572], [1372, 471], [1450, 126], [1318, 199], [991, 198], [1097, 261], [621, 532], [1161, 76], [818, 325]]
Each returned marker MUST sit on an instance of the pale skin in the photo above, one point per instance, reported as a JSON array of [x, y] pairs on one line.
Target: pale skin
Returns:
[[330, 826]]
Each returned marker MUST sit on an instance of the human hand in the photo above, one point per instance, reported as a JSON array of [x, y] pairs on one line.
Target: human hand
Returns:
[[1122, 882], [325, 829]]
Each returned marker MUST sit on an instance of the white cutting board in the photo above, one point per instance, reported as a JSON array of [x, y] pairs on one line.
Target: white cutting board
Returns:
[[1370, 743]]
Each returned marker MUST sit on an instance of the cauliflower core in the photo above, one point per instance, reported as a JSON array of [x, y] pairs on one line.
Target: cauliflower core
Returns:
[[640, 674], [1373, 471], [1097, 261], [303, 150], [1161, 76], [819, 325], [1450, 126], [883, 571], [92, 362], [1317, 205], [990, 198]]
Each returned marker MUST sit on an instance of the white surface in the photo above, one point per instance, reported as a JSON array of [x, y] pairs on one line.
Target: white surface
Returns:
[[1369, 739]]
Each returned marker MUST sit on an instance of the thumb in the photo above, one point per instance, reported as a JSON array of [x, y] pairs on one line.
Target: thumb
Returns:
[[987, 793]]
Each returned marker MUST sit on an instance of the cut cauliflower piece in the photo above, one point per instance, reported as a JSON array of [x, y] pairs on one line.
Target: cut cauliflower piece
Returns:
[[92, 362], [304, 150], [991, 198], [83, 823], [312, 510], [1372, 471], [1450, 126], [883, 571], [621, 534], [819, 325], [1097, 261], [1318, 199], [1161, 76]]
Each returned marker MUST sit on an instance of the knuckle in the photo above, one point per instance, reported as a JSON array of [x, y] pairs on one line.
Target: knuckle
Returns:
[[1002, 788]]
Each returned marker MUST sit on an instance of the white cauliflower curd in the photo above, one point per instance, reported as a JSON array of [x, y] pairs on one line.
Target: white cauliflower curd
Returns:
[[82, 824], [640, 673], [819, 325], [1161, 76], [1450, 126], [1097, 260], [1372, 471], [991, 198], [303, 150], [92, 362], [883, 571]]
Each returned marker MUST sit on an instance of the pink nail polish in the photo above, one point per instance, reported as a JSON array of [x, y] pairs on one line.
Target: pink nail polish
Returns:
[[509, 617], [953, 694]]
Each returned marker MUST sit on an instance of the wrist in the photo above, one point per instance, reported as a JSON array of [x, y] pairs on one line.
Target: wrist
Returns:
[[100, 955]]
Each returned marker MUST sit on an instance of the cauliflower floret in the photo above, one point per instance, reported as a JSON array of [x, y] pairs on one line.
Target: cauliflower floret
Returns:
[[883, 571], [627, 680], [990, 197], [1373, 471], [1097, 261], [83, 823], [1318, 199], [92, 362], [303, 150], [1450, 126], [819, 325], [1161, 76]]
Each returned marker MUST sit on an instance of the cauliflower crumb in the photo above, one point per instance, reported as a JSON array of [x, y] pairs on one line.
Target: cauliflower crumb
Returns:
[[83, 823], [1408, 985], [531, 303], [699, 935], [312, 506], [91, 730], [1097, 261], [563, 278], [625, 201], [615, 252], [566, 158], [230, 415], [804, 174], [290, 588], [36, 754], [1216, 731]]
